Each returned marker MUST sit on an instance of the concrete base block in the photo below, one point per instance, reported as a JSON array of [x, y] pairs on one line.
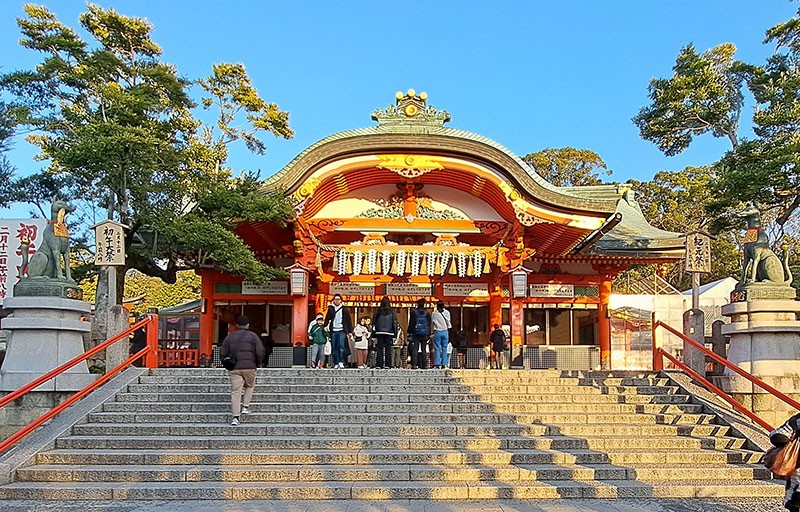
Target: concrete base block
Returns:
[[44, 333]]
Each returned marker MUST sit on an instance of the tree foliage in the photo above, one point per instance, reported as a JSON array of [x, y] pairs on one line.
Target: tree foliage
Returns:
[[678, 201], [568, 167], [115, 124], [704, 95], [149, 292]]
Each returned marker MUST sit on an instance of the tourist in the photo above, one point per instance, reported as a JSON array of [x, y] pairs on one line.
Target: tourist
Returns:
[[779, 437], [362, 333], [419, 327], [462, 343], [386, 329], [313, 323], [268, 343], [339, 324], [397, 349], [247, 349], [138, 342], [318, 340], [497, 340], [441, 337]]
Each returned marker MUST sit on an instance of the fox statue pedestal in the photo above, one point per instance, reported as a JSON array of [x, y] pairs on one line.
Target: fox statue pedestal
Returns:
[[765, 342], [45, 332]]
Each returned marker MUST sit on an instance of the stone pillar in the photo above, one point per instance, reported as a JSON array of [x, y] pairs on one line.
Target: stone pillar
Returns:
[[119, 351], [765, 342], [44, 333], [694, 327], [718, 345]]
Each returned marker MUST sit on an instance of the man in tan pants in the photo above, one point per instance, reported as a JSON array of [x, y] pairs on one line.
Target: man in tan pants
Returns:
[[246, 347]]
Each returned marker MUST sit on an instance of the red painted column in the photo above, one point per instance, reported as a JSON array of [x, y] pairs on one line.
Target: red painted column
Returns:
[[604, 324], [495, 308], [206, 316], [300, 320]]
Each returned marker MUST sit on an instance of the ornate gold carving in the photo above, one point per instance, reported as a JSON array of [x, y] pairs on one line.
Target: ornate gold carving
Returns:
[[525, 218], [307, 188], [411, 110], [409, 166]]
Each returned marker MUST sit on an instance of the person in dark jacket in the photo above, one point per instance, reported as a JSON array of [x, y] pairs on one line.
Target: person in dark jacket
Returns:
[[138, 342], [419, 330], [268, 343], [339, 324], [498, 342], [779, 437], [385, 327], [248, 350]]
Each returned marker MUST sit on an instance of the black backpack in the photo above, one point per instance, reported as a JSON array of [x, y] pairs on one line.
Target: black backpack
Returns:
[[421, 327]]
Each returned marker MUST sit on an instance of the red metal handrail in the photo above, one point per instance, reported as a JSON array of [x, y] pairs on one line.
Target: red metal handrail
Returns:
[[659, 353], [149, 352]]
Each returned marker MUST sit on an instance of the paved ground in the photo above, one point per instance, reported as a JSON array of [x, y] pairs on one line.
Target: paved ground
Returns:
[[693, 505]]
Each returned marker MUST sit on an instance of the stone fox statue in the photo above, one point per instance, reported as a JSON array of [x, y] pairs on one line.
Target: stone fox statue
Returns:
[[760, 262], [47, 260]]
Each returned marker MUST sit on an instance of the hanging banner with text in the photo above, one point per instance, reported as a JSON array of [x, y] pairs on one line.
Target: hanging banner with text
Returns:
[[352, 288], [403, 289], [563, 291], [465, 289], [271, 288]]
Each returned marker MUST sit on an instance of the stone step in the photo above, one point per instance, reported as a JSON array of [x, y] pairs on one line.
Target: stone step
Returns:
[[346, 415], [381, 377], [497, 398], [382, 491], [378, 472], [413, 426], [409, 388], [370, 441], [631, 458], [432, 407]]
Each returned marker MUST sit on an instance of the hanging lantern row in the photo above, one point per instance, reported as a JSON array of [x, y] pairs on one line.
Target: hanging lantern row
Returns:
[[412, 263]]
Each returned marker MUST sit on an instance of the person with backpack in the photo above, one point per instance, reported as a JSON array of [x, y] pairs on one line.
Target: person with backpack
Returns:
[[419, 327], [248, 351], [441, 335], [339, 324], [385, 328]]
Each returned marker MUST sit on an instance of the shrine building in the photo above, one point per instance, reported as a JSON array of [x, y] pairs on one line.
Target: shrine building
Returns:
[[412, 209]]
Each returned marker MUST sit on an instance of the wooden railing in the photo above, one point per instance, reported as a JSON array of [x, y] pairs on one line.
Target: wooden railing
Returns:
[[178, 357], [149, 323], [658, 364]]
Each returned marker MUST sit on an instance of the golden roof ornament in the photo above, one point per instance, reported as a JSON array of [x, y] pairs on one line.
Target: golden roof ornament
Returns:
[[410, 109]]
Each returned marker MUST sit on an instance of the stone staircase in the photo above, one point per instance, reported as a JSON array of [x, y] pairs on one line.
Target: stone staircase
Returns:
[[397, 434]]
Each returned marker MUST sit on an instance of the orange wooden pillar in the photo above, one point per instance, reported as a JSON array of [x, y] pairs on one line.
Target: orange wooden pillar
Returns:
[[495, 308], [300, 320], [206, 316], [604, 325]]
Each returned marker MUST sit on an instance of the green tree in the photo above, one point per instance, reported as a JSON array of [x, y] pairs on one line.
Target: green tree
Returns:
[[117, 122], [678, 201], [568, 167], [766, 170], [704, 95]]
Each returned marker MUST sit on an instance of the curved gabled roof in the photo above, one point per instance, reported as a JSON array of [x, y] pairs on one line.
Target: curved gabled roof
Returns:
[[421, 135]]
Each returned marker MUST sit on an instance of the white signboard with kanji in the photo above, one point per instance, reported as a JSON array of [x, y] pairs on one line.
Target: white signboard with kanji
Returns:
[[698, 252], [12, 233], [109, 243], [271, 288]]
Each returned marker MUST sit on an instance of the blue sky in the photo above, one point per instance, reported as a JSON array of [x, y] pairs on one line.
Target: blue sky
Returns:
[[528, 74]]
